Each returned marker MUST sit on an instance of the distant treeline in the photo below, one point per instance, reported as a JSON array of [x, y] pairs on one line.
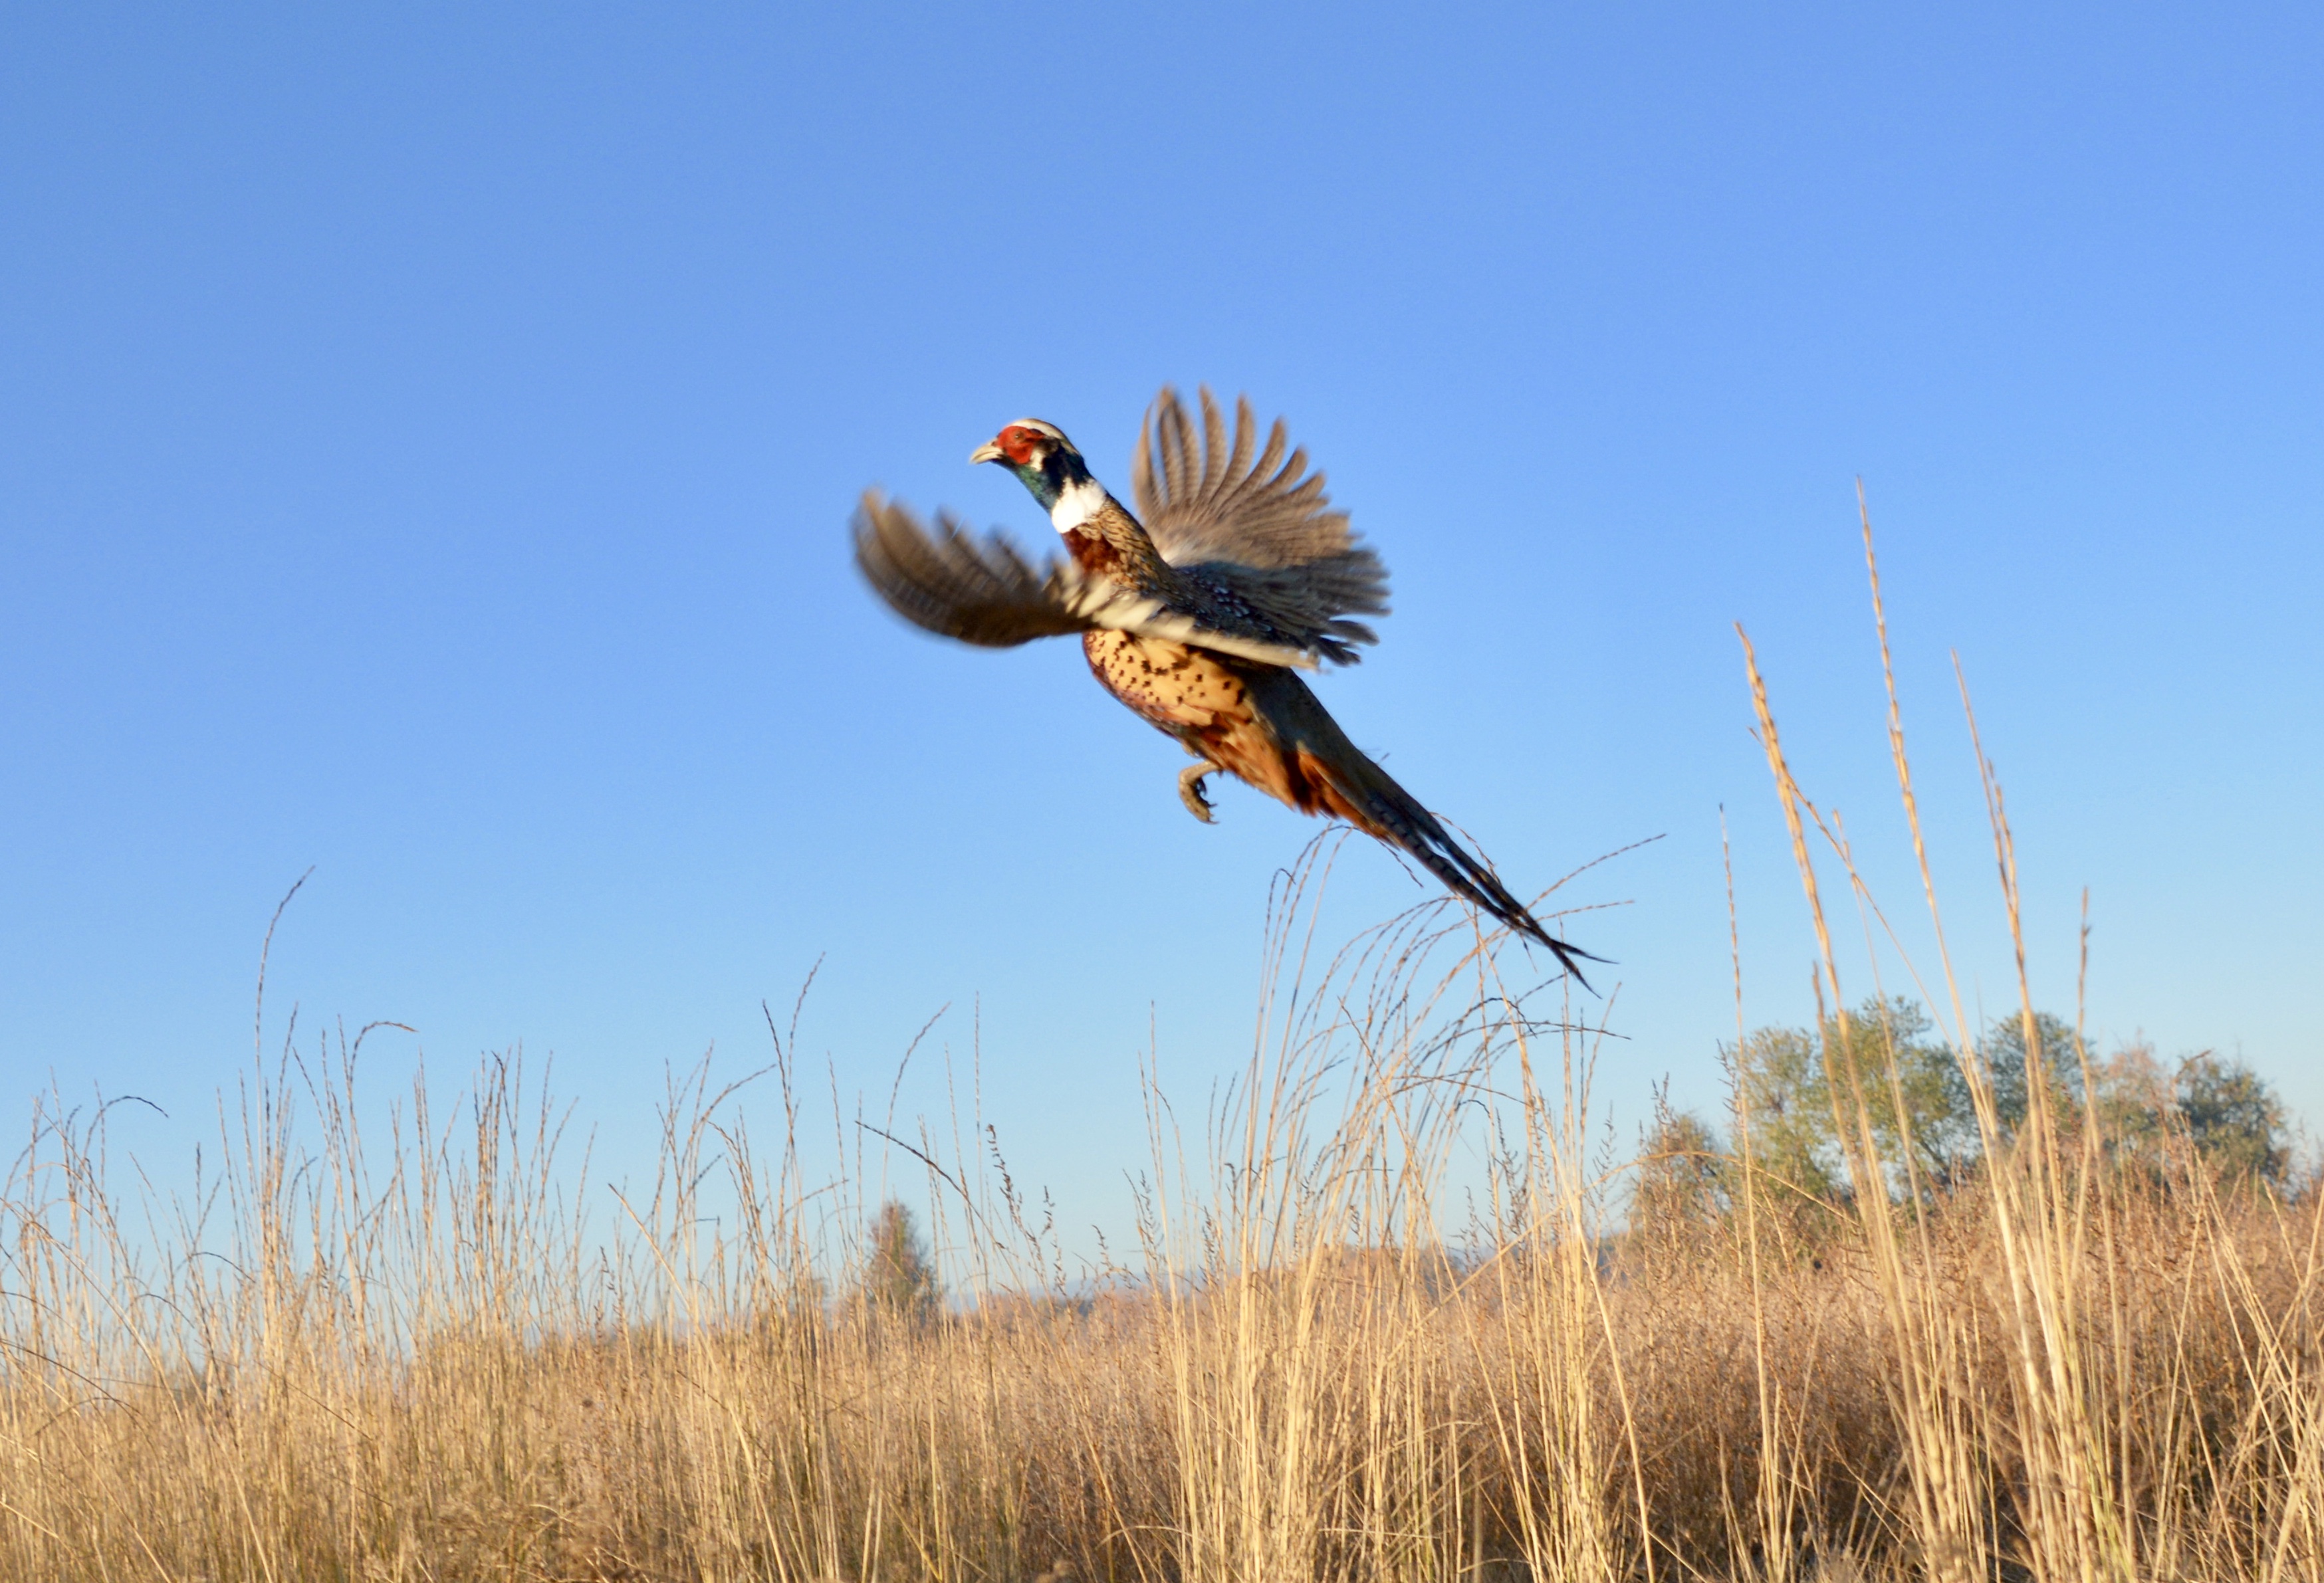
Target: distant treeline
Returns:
[[1921, 1113]]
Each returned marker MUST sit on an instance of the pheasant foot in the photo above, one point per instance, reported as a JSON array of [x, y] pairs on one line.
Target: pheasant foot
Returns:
[[1190, 789]]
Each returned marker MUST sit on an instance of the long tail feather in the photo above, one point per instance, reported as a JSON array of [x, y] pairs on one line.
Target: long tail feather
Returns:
[[1368, 796], [1403, 821]]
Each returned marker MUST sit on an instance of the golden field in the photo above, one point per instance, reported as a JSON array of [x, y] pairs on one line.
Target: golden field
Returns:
[[1388, 1316]]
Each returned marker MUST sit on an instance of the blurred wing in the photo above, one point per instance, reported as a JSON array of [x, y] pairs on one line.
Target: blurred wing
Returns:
[[983, 591], [952, 583], [1261, 529]]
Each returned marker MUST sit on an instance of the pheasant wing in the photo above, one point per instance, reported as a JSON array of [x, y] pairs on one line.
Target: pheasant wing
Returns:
[[979, 590], [983, 590], [1258, 528]]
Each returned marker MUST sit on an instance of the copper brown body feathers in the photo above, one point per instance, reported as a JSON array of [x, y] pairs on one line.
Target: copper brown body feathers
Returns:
[[1197, 613]]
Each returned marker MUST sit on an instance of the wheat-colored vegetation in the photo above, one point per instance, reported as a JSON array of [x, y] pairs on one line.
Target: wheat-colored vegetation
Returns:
[[1388, 1317]]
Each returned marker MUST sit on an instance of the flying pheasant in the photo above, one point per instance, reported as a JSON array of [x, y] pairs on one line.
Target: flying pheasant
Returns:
[[1198, 618]]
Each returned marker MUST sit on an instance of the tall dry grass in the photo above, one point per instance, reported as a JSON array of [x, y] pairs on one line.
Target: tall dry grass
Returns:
[[1381, 1322]]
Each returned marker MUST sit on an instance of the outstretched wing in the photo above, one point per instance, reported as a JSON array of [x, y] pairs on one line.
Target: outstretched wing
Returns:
[[953, 583], [983, 590], [1261, 529]]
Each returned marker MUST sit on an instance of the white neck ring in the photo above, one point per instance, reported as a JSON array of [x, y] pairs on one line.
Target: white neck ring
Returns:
[[1080, 501]]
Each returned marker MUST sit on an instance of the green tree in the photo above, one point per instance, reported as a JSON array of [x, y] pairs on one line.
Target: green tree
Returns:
[[1781, 1096], [2233, 1118], [899, 1279], [1910, 1087], [1682, 1183], [1917, 1098], [2059, 1059]]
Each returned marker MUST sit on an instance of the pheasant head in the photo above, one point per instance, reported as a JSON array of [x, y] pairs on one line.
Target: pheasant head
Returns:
[[1047, 463]]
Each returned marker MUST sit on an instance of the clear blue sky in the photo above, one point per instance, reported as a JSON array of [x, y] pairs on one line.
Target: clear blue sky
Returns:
[[427, 440]]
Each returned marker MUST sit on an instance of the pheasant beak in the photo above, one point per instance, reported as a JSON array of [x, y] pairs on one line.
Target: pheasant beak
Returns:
[[988, 452]]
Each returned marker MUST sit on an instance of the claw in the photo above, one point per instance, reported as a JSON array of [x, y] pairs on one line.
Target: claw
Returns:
[[1190, 790]]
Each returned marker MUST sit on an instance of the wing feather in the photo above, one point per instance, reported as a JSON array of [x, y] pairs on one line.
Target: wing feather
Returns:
[[1261, 532], [953, 583], [983, 590]]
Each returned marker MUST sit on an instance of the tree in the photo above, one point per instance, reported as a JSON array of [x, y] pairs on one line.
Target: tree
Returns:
[[2060, 1060], [1909, 1086], [1682, 1181], [1916, 1099], [898, 1280], [2227, 1113], [2233, 1118]]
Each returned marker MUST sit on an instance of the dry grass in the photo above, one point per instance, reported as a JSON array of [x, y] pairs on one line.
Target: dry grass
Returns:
[[1376, 1328]]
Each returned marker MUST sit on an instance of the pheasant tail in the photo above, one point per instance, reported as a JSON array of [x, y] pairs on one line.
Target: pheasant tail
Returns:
[[1346, 783]]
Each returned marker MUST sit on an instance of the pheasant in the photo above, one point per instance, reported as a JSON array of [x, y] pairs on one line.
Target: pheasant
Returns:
[[1199, 617]]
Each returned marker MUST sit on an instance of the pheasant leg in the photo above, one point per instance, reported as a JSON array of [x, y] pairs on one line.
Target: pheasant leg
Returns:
[[1190, 789]]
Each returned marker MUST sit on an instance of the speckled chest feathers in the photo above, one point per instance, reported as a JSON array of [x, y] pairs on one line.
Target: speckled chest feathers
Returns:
[[1186, 692]]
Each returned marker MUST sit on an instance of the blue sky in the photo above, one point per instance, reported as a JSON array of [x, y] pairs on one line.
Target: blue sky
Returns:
[[427, 440]]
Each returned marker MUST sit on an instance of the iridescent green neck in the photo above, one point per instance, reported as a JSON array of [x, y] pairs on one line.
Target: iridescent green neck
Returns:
[[1037, 481], [1060, 468]]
